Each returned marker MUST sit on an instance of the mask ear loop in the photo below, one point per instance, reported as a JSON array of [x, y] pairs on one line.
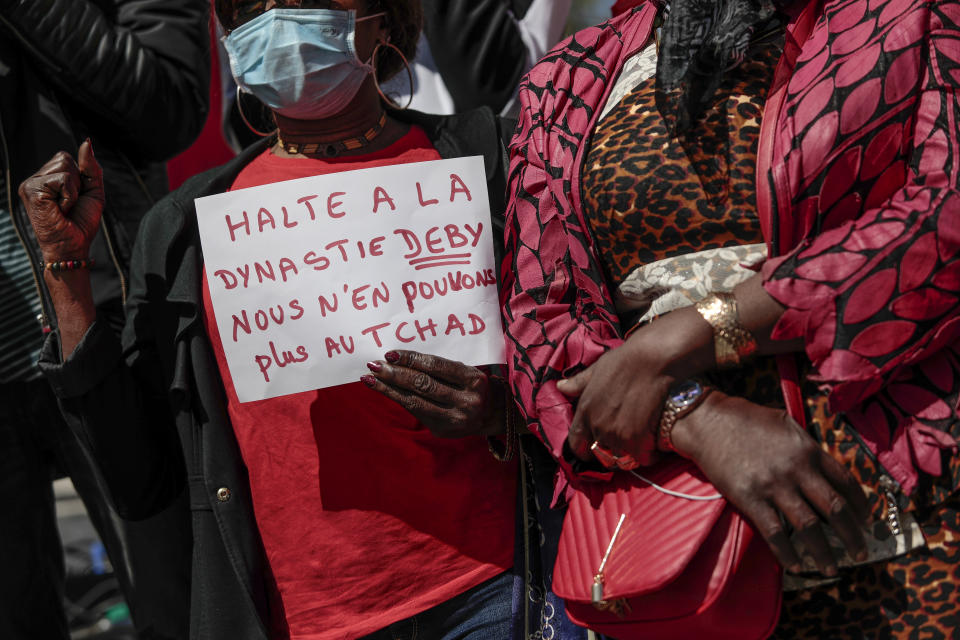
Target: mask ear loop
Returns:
[[247, 122], [376, 81]]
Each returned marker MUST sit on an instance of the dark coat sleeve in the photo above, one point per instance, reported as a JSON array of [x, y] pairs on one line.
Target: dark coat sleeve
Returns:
[[114, 394], [478, 49], [140, 67]]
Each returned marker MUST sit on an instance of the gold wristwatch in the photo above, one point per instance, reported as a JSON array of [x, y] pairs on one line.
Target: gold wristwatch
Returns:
[[681, 400]]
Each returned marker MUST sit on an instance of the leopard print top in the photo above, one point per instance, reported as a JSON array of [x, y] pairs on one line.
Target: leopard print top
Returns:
[[648, 196]]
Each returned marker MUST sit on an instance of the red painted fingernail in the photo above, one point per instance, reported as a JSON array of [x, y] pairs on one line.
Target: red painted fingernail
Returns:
[[392, 356], [374, 366], [368, 380]]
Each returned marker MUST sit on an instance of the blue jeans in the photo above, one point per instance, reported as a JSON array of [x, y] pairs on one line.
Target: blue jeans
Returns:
[[482, 613]]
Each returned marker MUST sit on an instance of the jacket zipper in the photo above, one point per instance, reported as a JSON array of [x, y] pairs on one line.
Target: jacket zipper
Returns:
[[113, 254], [888, 488], [44, 319], [29, 46], [115, 260]]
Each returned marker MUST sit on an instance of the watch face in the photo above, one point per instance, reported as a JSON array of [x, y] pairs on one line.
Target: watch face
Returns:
[[685, 393]]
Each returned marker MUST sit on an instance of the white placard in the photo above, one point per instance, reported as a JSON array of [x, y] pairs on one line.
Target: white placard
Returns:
[[312, 278]]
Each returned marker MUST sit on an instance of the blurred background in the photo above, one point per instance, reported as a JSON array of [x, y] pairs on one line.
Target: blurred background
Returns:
[[93, 601], [584, 13]]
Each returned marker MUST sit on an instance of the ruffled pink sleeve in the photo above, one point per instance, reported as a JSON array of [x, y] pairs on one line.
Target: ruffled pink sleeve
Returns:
[[877, 298], [881, 292], [559, 316]]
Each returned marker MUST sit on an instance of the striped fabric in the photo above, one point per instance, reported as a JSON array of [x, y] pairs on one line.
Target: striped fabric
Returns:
[[20, 330]]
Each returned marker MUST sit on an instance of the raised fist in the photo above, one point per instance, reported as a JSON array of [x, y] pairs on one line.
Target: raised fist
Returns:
[[64, 201]]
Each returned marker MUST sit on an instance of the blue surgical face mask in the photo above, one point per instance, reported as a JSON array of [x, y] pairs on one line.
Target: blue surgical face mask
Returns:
[[301, 63]]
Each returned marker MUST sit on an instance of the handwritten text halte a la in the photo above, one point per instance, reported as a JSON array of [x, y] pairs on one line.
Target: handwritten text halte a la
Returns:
[[312, 277], [311, 206]]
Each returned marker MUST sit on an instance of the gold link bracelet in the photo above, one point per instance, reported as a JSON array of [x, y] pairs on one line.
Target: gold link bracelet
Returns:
[[732, 343]]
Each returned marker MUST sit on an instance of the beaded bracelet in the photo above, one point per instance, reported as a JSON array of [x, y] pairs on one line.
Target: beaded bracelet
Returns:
[[68, 265]]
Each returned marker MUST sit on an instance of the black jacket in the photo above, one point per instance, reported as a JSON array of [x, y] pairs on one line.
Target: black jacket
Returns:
[[133, 75], [122, 398], [479, 49]]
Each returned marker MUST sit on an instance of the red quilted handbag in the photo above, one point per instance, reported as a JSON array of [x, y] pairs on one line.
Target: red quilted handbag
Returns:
[[677, 569]]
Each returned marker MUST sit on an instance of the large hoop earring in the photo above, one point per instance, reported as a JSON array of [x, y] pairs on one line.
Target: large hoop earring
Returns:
[[376, 81], [247, 122]]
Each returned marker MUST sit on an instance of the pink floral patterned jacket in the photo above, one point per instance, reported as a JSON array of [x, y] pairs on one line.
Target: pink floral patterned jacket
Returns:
[[858, 196]]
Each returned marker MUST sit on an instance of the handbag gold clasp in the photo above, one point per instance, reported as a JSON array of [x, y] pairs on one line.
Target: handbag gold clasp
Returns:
[[596, 589]]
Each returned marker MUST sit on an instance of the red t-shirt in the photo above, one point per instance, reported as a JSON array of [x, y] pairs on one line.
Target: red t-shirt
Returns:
[[366, 518]]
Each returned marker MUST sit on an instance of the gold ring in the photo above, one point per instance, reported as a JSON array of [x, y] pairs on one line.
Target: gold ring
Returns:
[[612, 461], [605, 456], [627, 462]]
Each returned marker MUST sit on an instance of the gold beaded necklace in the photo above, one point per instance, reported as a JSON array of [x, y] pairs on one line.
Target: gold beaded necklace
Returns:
[[333, 149]]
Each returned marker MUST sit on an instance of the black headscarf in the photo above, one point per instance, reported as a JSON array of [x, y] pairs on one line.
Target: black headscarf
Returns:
[[700, 41]]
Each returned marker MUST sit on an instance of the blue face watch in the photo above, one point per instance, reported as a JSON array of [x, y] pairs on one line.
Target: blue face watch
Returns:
[[681, 400]]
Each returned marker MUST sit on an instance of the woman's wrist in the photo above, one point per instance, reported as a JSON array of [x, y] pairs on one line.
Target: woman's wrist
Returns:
[[72, 297], [759, 313], [685, 433], [682, 399], [683, 344], [678, 345], [62, 251]]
